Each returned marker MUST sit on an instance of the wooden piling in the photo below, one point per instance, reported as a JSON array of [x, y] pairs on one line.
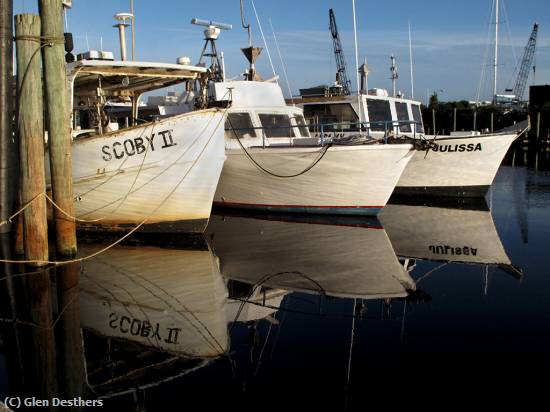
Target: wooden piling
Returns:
[[8, 148], [58, 125], [30, 127], [538, 126], [475, 120], [454, 119], [72, 371]]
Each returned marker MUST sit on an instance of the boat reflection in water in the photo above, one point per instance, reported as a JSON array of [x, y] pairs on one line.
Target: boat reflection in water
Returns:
[[151, 313], [446, 234], [168, 312], [337, 257], [165, 298]]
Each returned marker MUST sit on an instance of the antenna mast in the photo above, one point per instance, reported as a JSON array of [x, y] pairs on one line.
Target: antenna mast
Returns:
[[495, 61], [211, 34], [341, 73], [411, 61], [251, 53], [394, 75]]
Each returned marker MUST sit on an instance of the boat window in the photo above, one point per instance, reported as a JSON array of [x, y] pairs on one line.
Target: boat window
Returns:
[[276, 125], [341, 113], [403, 116], [379, 112], [417, 116], [242, 126], [302, 125]]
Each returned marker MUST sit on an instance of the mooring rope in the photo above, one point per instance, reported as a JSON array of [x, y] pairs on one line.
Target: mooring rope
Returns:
[[133, 230], [265, 279], [320, 155]]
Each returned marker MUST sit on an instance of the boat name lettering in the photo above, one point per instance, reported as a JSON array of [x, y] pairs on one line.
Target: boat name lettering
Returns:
[[463, 147], [143, 328], [329, 134], [137, 145], [450, 250]]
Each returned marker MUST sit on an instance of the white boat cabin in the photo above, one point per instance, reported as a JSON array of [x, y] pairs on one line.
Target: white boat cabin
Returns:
[[259, 116], [105, 94], [338, 116]]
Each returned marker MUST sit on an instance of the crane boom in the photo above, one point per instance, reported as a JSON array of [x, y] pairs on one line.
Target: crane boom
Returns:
[[523, 74], [341, 74]]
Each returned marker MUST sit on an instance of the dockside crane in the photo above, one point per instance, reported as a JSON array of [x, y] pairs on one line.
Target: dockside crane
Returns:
[[526, 62], [341, 73]]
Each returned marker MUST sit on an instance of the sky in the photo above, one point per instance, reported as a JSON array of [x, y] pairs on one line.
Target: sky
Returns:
[[451, 40]]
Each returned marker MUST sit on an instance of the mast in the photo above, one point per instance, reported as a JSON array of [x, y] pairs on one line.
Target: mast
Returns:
[[356, 64], [411, 61], [394, 75], [495, 62]]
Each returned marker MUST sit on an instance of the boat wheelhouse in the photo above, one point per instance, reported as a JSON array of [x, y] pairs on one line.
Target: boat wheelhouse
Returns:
[[377, 113]]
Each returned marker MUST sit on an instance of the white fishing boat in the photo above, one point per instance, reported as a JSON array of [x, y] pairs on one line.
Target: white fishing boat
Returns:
[[163, 173], [267, 169], [273, 163], [345, 257], [462, 164]]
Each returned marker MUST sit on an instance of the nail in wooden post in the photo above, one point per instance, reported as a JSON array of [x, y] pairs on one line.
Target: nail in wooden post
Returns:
[[59, 132], [30, 122]]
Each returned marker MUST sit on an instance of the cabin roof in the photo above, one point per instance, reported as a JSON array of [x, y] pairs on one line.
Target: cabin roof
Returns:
[[141, 76]]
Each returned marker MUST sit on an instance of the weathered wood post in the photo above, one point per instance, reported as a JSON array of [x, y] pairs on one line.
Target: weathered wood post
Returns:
[[72, 371], [58, 118], [433, 120], [538, 126], [8, 148], [30, 120], [492, 121], [475, 119], [454, 119]]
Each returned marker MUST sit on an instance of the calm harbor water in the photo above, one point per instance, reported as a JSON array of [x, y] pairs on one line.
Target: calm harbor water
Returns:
[[270, 311]]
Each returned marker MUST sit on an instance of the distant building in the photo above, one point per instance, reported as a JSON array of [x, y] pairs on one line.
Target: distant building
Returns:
[[539, 102]]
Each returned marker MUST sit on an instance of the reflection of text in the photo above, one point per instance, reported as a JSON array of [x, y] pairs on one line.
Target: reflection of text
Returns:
[[143, 328], [453, 251]]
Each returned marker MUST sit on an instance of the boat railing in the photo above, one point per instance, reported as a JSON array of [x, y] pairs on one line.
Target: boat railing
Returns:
[[388, 127], [329, 132]]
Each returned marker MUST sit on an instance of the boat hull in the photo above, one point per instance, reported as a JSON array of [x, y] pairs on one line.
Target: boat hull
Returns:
[[351, 180], [458, 167], [162, 175], [322, 257]]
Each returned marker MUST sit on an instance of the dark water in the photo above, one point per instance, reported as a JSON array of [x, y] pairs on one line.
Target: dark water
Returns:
[[281, 312]]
